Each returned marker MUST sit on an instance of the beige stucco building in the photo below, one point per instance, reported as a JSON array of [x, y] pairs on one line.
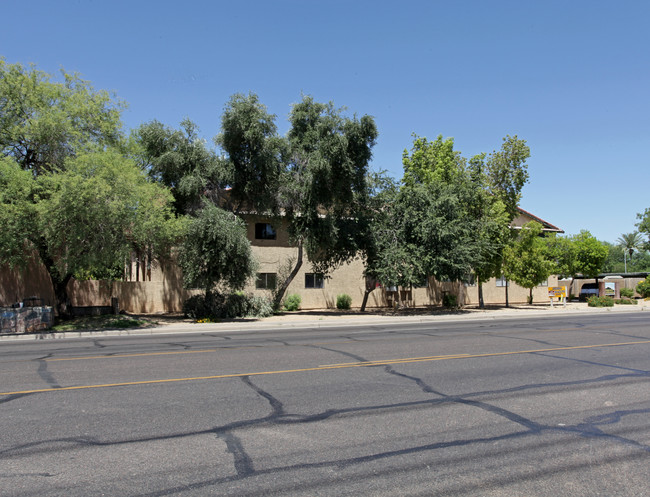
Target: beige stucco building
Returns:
[[152, 287]]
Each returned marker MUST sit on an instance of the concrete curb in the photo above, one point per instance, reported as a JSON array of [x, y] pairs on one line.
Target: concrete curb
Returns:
[[325, 322]]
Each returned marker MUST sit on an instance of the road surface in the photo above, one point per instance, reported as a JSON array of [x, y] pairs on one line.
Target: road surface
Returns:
[[537, 407]]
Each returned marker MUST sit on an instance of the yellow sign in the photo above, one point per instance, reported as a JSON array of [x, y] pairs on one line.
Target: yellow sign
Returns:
[[557, 292]]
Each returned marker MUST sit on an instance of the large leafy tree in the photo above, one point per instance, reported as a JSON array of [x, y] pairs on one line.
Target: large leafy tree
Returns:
[[492, 218], [314, 179], [43, 122], [507, 172], [494, 184], [68, 193], [580, 254], [432, 162], [83, 221], [528, 261], [181, 160]]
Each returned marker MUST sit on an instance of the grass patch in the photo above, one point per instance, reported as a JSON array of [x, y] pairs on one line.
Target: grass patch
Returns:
[[107, 322]]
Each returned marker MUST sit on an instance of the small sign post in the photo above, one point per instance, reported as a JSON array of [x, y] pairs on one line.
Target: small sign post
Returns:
[[557, 292]]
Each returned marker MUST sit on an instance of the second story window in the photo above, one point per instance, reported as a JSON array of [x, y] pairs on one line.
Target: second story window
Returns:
[[264, 231]]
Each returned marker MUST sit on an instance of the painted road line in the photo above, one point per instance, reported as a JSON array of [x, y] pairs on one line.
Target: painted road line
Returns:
[[385, 362]]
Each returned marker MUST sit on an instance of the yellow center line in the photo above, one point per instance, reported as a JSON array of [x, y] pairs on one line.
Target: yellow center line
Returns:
[[410, 359], [266, 345], [326, 367]]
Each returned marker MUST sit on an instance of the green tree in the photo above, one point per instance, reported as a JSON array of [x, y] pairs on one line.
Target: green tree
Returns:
[[181, 160], [216, 251], [493, 231], [256, 154], [589, 255], [84, 220], [580, 254], [614, 263], [380, 243], [495, 184], [507, 172], [629, 242], [438, 231], [313, 179], [527, 261], [644, 226], [431, 162], [69, 194], [45, 122]]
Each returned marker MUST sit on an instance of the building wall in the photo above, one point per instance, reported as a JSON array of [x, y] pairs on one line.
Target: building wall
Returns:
[[157, 287], [17, 285]]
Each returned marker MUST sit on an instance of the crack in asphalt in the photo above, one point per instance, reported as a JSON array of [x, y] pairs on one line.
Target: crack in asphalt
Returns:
[[46, 375]]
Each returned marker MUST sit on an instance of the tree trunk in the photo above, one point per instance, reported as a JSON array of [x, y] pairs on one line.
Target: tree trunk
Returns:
[[63, 307], [507, 302], [59, 284], [530, 296], [481, 303], [366, 294], [279, 294]]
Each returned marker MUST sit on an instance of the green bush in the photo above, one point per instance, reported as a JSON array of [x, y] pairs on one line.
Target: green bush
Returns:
[[627, 293], [595, 301], [204, 306], [643, 288], [260, 307], [450, 300], [625, 301], [343, 301], [218, 306], [292, 302]]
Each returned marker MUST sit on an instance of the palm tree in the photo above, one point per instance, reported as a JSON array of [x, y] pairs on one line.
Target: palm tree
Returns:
[[629, 243]]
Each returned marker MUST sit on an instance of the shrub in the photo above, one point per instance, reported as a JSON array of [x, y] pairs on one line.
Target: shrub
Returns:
[[643, 288], [625, 301], [627, 293], [595, 301], [343, 301], [292, 302], [450, 300], [204, 306], [215, 305], [260, 307]]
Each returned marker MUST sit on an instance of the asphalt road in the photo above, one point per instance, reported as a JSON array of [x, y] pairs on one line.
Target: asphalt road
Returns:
[[537, 407]]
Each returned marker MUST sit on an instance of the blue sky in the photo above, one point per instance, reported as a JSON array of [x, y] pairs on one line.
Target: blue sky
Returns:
[[570, 77]]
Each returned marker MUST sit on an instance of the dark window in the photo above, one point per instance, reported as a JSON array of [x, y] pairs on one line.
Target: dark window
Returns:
[[314, 280], [265, 281], [470, 280], [264, 231]]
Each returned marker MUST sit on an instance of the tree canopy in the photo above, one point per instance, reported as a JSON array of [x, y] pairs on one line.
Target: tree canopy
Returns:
[[69, 194], [44, 122], [528, 261], [216, 251]]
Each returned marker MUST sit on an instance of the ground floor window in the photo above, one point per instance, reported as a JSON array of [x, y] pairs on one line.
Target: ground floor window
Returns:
[[265, 281], [470, 280], [502, 281], [314, 280], [543, 283]]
